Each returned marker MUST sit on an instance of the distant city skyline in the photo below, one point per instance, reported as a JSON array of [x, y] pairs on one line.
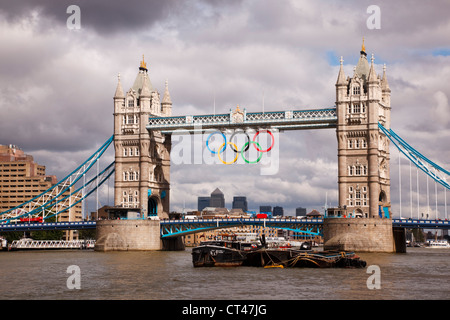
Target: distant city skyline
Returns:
[[242, 202]]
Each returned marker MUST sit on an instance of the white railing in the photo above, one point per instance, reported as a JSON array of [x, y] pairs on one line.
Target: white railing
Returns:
[[52, 244], [250, 118]]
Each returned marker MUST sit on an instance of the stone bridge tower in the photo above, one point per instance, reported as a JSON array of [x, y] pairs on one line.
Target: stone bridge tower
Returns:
[[142, 158], [362, 101], [365, 224]]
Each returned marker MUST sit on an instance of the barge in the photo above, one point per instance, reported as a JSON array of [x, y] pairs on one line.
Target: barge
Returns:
[[232, 253], [291, 258], [225, 251]]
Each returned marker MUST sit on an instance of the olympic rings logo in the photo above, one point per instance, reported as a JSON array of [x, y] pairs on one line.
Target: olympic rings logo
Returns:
[[244, 148]]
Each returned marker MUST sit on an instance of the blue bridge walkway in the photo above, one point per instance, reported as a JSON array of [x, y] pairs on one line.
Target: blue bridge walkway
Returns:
[[175, 228]]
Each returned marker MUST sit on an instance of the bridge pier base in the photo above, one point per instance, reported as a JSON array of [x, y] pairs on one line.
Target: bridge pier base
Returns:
[[173, 244], [358, 234], [128, 235], [399, 239]]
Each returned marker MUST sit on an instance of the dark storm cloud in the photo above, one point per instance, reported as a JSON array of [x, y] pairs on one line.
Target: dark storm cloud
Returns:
[[109, 17], [103, 16]]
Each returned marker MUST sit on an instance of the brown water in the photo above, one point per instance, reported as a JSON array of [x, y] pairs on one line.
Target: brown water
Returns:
[[421, 273]]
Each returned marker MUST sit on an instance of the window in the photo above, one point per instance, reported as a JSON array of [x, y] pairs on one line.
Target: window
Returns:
[[350, 170], [136, 151], [125, 152], [130, 119], [356, 90], [357, 144], [130, 103], [356, 108], [358, 170], [349, 108], [363, 143], [364, 170], [350, 143], [357, 198]]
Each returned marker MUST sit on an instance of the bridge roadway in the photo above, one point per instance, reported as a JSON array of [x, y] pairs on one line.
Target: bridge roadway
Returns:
[[174, 228]]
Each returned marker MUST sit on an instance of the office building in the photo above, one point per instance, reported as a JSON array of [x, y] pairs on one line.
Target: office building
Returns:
[[265, 209], [22, 179], [278, 211], [300, 212], [203, 202], [240, 203], [217, 199]]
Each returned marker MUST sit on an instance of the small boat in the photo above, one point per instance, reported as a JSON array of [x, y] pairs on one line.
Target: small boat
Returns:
[[438, 244], [224, 251]]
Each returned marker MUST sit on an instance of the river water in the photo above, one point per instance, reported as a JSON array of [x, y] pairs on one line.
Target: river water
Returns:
[[419, 274]]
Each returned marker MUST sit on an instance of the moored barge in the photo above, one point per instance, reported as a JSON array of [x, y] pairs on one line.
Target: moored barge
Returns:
[[223, 252], [232, 253], [303, 259]]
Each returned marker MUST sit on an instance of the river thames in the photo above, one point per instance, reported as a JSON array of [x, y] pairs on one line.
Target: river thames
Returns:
[[419, 274]]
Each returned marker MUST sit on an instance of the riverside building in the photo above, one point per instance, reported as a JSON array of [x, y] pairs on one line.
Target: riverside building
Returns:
[[22, 179]]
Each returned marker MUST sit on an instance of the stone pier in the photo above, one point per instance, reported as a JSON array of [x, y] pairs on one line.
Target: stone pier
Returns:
[[359, 234], [128, 235]]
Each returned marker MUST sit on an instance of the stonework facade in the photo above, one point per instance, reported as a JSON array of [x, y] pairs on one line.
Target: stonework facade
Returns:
[[363, 101], [125, 235], [142, 158], [361, 235]]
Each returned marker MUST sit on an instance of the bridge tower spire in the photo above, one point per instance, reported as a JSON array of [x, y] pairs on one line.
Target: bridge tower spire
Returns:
[[362, 102], [142, 162], [363, 153]]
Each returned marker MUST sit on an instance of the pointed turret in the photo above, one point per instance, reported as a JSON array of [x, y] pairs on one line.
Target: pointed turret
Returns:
[[385, 90], [119, 91], [372, 73], [139, 82], [384, 81], [145, 91], [362, 67], [166, 104], [341, 75], [166, 98]]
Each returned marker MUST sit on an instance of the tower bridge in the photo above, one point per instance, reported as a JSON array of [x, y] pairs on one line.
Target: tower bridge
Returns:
[[144, 125]]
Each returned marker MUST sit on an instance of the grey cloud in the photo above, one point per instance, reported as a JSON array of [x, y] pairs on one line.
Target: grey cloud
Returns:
[[102, 16]]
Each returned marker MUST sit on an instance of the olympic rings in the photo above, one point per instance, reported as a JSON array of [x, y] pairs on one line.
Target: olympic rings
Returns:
[[235, 158], [273, 140], [248, 140], [246, 145], [244, 148], [224, 145]]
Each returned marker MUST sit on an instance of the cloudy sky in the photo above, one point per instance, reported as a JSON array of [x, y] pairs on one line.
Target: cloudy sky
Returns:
[[57, 83]]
